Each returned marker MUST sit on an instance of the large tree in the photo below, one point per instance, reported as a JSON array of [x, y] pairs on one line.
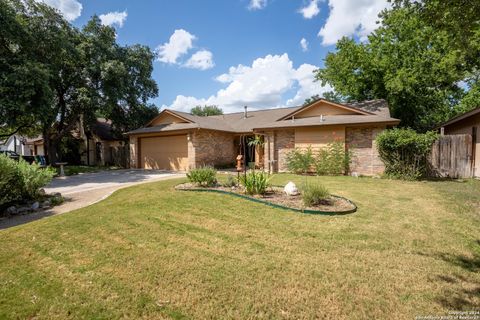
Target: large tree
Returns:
[[54, 75], [24, 77], [329, 95], [206, 111], [416, 62]]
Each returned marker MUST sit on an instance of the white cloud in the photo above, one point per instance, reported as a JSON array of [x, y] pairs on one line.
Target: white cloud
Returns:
[[70, 9], [304, 44], [179, 44], [311, 10], [114, 18], [351, 18], [257, 4], [307, 86], [202, 60], [261, 85]]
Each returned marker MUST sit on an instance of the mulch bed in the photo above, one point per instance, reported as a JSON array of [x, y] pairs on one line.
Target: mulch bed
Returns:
[[277, 196]]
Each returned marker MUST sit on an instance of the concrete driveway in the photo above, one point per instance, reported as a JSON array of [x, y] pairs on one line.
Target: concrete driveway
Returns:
[[85, 189]]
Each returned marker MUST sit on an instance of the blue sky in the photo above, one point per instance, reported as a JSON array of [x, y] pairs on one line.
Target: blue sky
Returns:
[[232, 52]]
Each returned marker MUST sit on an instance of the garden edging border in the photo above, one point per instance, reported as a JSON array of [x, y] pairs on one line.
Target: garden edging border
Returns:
[[274, 205]]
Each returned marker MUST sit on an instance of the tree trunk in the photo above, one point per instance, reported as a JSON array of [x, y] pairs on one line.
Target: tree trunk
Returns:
[[52, 153], [50, 148]]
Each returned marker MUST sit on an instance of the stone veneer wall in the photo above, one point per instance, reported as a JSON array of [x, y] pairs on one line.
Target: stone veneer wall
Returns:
[[208, 147], [284, 143], [361, 142]]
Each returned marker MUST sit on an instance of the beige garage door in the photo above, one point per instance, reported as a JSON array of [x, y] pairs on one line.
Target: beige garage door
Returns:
[[164, 153]]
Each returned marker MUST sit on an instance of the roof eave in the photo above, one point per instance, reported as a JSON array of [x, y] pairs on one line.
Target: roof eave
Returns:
[[459, 118], [172, 112], [387, 122]]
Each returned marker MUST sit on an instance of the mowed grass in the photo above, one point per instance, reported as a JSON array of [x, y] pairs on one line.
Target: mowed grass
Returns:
[[413, 248]]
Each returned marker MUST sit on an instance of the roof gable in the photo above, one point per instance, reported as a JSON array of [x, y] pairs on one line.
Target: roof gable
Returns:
[[168, 117], [323, 107]]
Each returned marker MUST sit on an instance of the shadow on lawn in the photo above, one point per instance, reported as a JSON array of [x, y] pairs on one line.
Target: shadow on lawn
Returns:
[[464, 289], [9, 222]]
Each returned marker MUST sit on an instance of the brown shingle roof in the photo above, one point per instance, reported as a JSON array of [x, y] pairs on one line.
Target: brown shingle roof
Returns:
[[267, 118], [166, 128], [103, 129], [329, 120]]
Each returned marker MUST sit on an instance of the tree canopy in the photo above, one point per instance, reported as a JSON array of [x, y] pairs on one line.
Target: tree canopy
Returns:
[[329, 95], [423, 59], [206, 111], [54, 75]]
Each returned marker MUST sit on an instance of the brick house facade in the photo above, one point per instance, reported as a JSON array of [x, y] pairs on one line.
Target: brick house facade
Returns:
[[180, 141]]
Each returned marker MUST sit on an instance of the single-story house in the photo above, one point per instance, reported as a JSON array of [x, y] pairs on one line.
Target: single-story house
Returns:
[[467, 123], [181, 141], [100, 145], [36, 146]]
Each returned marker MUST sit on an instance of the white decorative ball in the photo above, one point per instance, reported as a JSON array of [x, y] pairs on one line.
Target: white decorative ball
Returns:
[[291, 189]]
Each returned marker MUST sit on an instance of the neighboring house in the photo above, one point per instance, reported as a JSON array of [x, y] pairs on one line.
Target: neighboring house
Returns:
[[467, 123], [98, 146], [17, 144], [103, 145], [180, 141], [35, 145]]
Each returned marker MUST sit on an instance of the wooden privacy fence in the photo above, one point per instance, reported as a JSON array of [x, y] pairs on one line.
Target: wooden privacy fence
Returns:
[[452, 156]]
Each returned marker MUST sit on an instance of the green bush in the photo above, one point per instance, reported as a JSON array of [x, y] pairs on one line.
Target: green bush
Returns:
[[70, 170], [20, 180], [314, 194], [255, 182], [230, 182], [300, 161], [10, 182], [405, 153], [205, 176], [333, 159], [33, 177]]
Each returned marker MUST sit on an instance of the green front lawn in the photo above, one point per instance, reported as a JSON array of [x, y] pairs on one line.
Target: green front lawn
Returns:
[[413, 248]]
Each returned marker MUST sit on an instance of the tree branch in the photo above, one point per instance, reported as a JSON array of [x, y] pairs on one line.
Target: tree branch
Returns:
[[8, 135]]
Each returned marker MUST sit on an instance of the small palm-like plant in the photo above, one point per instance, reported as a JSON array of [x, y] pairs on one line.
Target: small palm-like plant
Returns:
[[257, 141]]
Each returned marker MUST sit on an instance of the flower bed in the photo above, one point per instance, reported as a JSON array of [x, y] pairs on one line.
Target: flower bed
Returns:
[[334, 205]]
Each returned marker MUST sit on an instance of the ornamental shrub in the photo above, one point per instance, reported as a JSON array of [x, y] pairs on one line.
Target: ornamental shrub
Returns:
[[255, 182], [10, 182], [405, 153], [333, 159], [330, 160], [33, 177], [314, 194], [300, 161], [204, 176], [231, 181], [20, 180]]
